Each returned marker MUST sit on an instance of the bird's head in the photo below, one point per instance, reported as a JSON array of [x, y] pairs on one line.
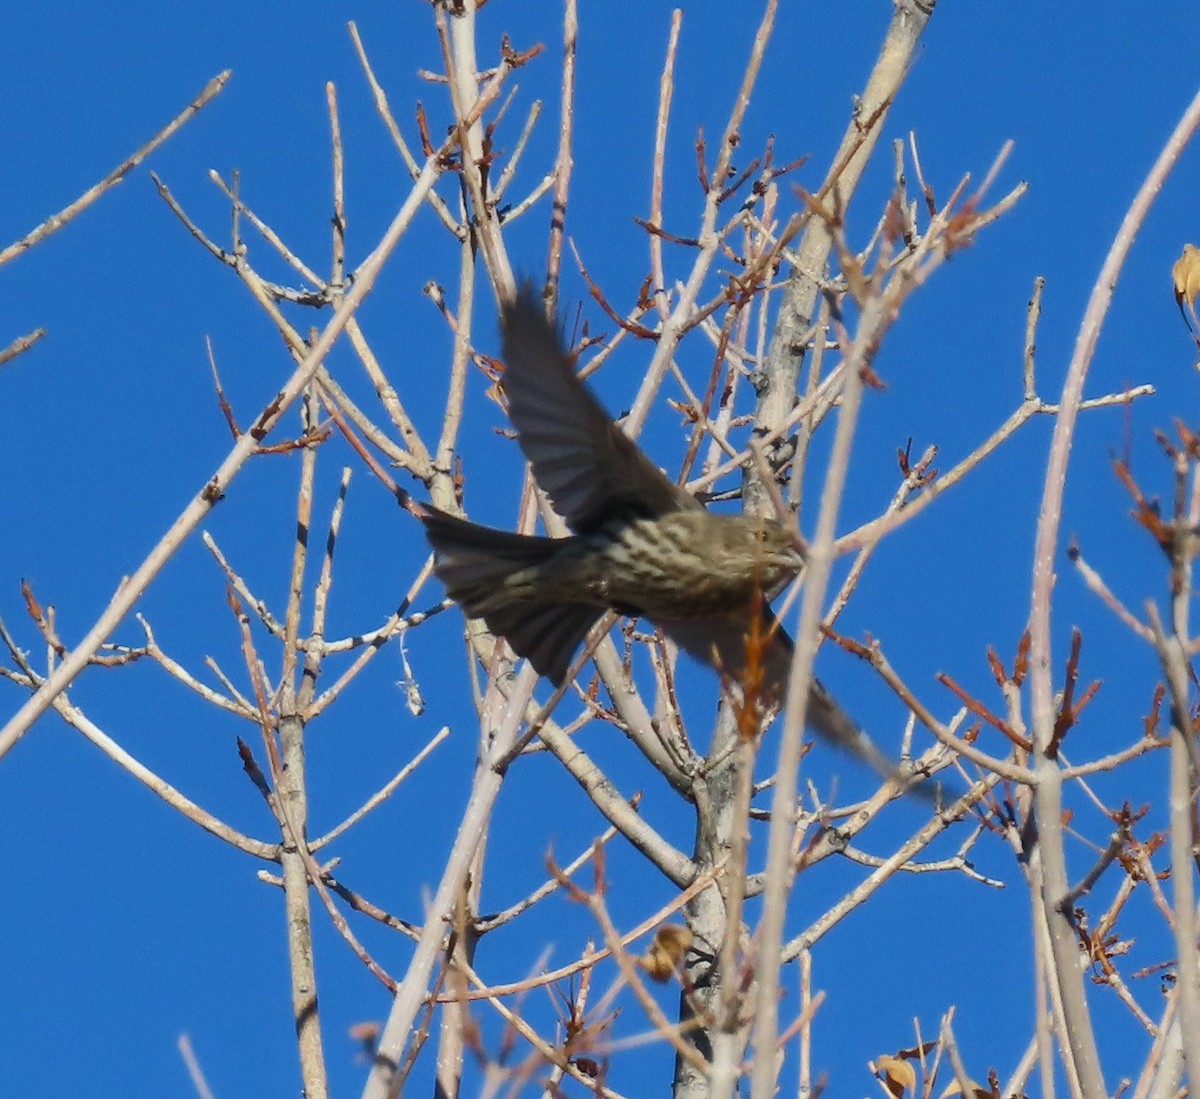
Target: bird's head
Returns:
[[780, 556], [760, 547]]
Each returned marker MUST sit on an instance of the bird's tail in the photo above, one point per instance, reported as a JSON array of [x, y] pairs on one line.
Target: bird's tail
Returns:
[[724, 644], [475, 562]]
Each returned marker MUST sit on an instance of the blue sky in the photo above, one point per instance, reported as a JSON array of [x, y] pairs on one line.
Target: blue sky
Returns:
[[122, 925]]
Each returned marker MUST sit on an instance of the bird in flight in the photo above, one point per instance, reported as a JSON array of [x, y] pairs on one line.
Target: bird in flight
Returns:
[[642, 546]]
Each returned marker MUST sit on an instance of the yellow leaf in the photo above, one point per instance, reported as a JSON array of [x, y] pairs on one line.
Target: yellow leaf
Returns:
[[1186, 274], [976, 1091], [898, 1076]]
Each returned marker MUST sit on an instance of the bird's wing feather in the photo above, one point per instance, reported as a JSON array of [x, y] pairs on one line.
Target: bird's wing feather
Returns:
[[548, 634], [721, 643], [587, 466]]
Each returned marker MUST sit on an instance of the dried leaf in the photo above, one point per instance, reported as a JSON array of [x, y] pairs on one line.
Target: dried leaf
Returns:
[[670, 944], [367, 1036], [977, 1091], [898, 1076], [1186, 276]]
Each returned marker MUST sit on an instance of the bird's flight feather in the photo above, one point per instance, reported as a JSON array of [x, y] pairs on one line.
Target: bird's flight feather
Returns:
[[586, 464]]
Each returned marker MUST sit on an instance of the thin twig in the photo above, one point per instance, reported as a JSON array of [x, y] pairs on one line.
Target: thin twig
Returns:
[[57, 221]]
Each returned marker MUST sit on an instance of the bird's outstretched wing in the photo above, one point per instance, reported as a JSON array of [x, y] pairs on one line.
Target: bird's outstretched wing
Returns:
[[587, 466]]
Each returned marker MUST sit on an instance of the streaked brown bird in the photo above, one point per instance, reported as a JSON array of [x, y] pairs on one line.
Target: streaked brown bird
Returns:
[[642, 545]]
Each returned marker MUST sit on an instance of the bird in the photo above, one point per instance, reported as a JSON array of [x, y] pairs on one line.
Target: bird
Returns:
[[641, 545]]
